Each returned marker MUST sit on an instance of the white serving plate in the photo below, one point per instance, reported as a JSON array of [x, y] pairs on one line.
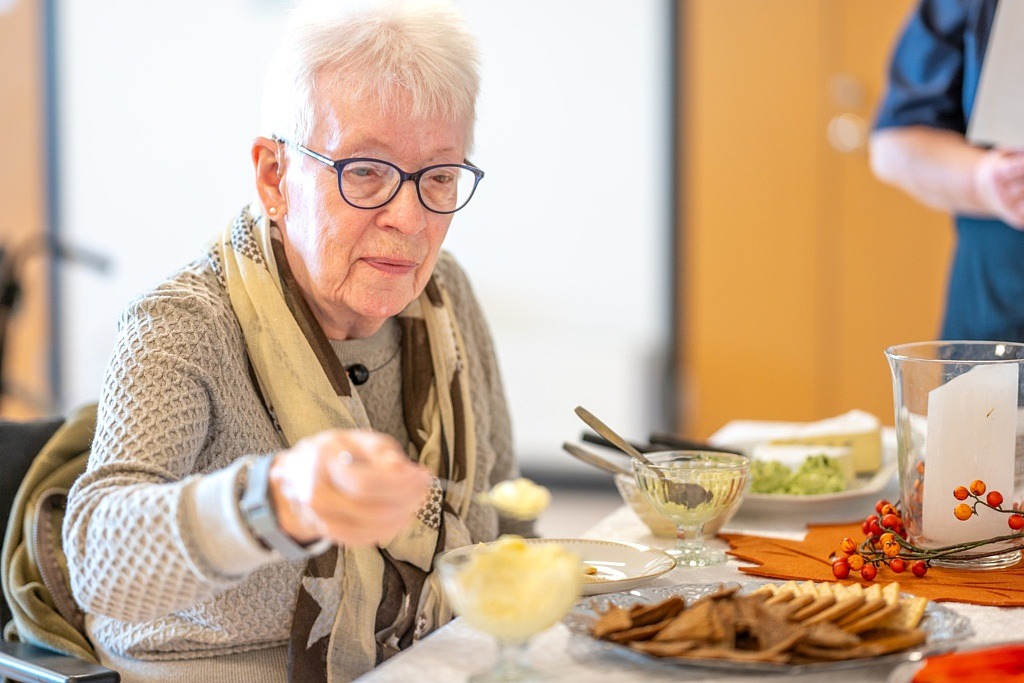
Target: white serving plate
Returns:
[[620, 566], [745, 434]]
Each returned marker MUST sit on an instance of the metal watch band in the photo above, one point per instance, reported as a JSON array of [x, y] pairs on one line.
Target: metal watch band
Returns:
[[258, 513]]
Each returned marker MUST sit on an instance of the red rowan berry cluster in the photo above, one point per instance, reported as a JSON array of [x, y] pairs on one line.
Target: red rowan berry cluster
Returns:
[[993, 501], [886, 544]]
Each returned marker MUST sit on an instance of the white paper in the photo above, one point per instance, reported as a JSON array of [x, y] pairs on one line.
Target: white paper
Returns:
[[972, 434], [997, 117]]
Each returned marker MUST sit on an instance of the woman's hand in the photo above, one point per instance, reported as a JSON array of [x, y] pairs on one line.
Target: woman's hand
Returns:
[[999, 183], [355, 488]]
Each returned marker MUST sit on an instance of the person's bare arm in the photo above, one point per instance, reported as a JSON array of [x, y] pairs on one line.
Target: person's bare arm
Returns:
[[941, 169]]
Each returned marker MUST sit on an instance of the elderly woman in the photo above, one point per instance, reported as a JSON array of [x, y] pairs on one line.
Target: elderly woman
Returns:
[[293, 426]]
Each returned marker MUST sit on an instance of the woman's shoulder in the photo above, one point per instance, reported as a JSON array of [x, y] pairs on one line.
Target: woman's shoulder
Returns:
[[190, 297], [447, 267], [464, 302], [452, 276]]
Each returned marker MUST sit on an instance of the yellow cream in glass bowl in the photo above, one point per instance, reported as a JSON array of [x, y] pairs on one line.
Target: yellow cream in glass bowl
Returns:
[[511, 590]]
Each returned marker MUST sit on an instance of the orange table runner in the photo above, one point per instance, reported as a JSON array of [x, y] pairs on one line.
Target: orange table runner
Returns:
[[809, 560]]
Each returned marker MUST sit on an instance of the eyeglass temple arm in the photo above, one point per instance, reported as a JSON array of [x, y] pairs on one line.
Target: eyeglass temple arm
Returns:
[[305, 150]]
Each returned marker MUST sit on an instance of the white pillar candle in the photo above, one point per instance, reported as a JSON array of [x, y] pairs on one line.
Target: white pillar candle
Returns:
[[972, 434]]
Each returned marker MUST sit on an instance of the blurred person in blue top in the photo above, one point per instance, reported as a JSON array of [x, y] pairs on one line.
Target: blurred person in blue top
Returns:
[[919, 145]]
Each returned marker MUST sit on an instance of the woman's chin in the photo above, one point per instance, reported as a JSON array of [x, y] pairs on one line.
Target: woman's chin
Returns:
[[379, 309]]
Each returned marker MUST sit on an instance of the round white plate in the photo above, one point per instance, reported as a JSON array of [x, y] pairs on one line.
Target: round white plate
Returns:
[[864, 489], [620, 566]]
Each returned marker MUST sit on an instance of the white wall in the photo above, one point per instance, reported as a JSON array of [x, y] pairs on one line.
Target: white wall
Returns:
[[158, 107]]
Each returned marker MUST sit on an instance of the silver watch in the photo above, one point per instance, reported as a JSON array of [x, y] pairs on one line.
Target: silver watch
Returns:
[[258, 513]]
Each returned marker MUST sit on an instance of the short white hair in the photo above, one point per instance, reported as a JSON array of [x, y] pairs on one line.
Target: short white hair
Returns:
[[414, 53]]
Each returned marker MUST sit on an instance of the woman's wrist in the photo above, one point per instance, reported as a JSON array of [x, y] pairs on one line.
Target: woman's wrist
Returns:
[[289, 515], [271, 519]]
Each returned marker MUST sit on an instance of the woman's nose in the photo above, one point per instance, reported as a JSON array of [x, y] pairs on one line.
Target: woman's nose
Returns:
[[405, 212]]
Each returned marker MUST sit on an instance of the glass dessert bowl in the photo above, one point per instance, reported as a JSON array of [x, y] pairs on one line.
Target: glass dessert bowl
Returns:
[[692, 488], [658, 524], [511, 590]]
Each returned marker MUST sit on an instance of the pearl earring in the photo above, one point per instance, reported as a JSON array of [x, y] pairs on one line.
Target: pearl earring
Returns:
[[273, 210]]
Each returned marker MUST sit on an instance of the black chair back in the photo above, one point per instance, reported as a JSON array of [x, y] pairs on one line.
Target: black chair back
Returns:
[[20, 442]]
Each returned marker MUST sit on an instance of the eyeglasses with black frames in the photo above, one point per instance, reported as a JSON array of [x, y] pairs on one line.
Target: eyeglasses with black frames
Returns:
[[367, 183]]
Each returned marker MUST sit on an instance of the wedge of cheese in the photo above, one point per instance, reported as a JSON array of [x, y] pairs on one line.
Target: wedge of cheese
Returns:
[[857, 430]]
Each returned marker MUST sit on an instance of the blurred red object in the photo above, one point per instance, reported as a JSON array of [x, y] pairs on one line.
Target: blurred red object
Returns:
[[1002, 663]]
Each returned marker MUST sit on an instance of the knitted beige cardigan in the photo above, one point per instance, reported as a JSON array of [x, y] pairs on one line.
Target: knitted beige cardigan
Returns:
[[174, 586]]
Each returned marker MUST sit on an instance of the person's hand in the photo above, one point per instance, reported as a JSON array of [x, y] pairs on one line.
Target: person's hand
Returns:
[[999, 183], [355, 488]]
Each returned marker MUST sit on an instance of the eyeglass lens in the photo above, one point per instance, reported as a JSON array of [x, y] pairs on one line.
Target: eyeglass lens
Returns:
[[369, 184]]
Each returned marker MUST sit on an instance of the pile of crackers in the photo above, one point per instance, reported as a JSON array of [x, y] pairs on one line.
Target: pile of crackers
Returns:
[[792, 623]]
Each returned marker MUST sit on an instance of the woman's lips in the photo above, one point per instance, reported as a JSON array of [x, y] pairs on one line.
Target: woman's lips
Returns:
[[390, 266]]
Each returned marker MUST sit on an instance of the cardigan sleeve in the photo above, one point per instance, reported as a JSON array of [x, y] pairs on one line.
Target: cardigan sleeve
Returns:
[[143, 520]]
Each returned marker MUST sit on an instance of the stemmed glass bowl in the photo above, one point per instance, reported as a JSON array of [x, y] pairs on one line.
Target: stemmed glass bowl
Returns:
[[511, 589], [691, 488]]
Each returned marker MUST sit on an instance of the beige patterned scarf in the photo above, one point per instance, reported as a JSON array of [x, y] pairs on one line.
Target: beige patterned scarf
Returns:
[[356, 607]]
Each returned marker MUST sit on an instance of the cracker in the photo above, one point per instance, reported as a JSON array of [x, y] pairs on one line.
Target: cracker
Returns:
[[664, 649], [774, 632], [826, 634], [638, 633], [883, 642], [822, 602], [724, 617], [854, 589], [642, 615], [723, 592], [788, 623], [870, 621], [809, 588], [614, 620], [909, 615], [891, 592], [780, 596], [828, 589], [694, 623], [797, 604], [837, 611], [868, 607]]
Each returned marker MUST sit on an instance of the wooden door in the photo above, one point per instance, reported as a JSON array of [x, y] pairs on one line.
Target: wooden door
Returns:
[[894, 254], [796, 267], [22, 196]]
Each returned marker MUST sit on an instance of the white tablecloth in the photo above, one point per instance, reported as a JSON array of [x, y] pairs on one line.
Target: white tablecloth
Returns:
[[456, 651]]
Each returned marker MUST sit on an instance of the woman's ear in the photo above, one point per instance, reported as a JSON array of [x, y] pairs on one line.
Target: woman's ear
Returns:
[[268, 162]]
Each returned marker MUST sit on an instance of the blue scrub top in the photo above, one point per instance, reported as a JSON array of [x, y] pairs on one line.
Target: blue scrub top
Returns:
[[933, 78]]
